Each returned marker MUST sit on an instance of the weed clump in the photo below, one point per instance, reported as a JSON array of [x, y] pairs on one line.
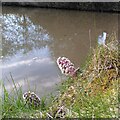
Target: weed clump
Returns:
[[102, 70]]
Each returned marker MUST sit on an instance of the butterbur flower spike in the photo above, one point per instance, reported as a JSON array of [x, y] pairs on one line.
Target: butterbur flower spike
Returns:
[[31, 99], [67, 67]]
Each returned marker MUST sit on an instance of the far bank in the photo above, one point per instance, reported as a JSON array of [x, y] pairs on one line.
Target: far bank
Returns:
[[83, 6]]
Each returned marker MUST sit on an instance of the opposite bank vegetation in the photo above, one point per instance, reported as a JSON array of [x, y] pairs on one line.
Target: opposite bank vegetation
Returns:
[[85, 6], [92, 94]]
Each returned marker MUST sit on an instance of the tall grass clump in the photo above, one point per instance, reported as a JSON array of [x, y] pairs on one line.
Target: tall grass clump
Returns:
[[0, 99], [13, 105]]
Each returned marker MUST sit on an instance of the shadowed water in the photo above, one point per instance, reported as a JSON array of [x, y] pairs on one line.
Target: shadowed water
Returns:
[[34, 38]]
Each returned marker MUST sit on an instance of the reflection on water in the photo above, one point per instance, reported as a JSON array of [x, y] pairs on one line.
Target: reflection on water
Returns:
[[33, 38], [19, 33]]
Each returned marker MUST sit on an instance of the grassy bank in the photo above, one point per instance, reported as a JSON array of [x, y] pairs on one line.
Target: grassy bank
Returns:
[[92, 94]]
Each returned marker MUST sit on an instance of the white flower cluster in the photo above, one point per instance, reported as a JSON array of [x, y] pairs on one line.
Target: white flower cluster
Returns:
[[66, 66], [102, 38]]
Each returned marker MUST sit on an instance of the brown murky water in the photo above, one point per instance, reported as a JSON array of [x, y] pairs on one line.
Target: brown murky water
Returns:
[[33, 38]]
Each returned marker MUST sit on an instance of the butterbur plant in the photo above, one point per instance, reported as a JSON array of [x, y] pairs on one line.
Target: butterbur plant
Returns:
[[32, 99], [67, 67]]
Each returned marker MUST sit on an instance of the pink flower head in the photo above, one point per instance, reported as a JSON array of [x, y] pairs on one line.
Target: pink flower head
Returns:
[[66, 66]]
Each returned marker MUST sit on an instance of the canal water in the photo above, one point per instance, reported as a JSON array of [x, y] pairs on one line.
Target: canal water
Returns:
[[33, 38]]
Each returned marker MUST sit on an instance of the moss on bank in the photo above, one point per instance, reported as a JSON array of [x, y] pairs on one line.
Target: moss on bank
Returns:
[[93, 94]]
